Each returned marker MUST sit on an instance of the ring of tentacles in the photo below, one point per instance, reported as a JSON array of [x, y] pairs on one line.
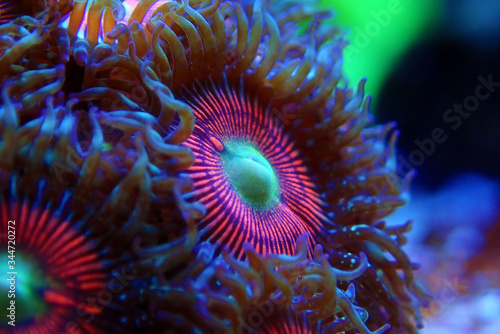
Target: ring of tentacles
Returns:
[[209, 149]]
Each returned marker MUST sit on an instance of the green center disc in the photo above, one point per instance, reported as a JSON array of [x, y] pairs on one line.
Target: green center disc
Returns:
[[250, 174], [25, 288]]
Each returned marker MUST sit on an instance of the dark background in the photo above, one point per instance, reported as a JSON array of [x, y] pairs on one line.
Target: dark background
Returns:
[[438, 72]]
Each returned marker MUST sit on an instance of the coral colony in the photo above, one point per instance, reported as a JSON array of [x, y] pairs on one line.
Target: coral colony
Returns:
[[194, 167]]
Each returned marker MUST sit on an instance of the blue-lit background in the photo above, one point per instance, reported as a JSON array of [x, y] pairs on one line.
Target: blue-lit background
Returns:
[[434, 67]]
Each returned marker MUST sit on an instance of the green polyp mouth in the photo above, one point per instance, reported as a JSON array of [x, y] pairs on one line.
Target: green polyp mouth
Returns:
[[250, 174], [24, 284]]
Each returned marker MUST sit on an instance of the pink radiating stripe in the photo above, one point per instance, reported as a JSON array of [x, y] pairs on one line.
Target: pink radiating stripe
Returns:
[[223, 115], [62, 253]]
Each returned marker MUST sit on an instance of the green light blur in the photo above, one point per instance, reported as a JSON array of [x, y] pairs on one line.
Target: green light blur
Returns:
[[29, 286], [376, 55]]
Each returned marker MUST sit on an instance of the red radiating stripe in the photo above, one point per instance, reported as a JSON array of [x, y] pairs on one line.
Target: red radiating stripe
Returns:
[[223, 115], [62, 253]]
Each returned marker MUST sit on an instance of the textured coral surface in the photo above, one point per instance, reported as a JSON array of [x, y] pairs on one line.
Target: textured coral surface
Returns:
[[196, 167]]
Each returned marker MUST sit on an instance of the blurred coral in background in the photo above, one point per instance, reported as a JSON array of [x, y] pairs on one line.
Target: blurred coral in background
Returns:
[[431, 61], [455, 238]]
